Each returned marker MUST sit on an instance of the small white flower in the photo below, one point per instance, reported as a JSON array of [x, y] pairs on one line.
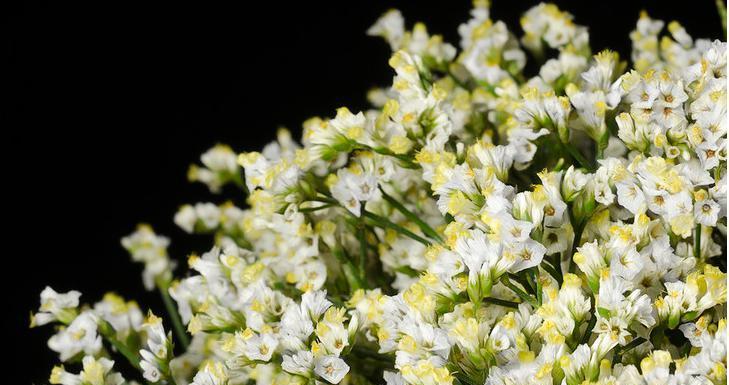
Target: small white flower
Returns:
[[212, 373], [186, 218], [626, 265], [94, 372], [391, 27], [156, 352], [260, 347], [220, 168], [124, 317], [631, 197], [706, 212], [56, 307], [151, 249], [352, 189], [301, 363], [314, 304], [80, 336], [331, 368]]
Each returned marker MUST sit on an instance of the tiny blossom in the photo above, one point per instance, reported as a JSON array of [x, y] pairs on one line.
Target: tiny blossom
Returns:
[[157, 350], [56, 307], [94, 372], [79, 337], [151, 249]]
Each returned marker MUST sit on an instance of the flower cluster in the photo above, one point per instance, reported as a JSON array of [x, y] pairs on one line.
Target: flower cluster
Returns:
[[478, 225]]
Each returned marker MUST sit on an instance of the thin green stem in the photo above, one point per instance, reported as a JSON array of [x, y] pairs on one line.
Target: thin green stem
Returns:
[[591, 324], [534, 279], [721, 7], [622, 350], [578, 227], [697, 241], [524, 282], [501, 302], [424, 227], [317, 208], [385, 223], [576, 155], [107, 331], [406, 160], [174, 316], [239, 180], [519, 292], [551, 271], [362, 252], [325, 199], [348, 268]]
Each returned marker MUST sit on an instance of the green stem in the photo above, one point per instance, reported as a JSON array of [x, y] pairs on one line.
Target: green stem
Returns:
[[578, 228], [519, 292], [602, 144], [407, 161], [385, 223], [348, 268], [697, 242], [524, 282], [325, 199], [424, 227], [721, 7], [362, 252], [591, 324], [107, 331], [534, 278], [657, 335], [551, 270], [458, 81], [501, 302], [576, 155], [239, 180], [622, 350], [174, 316], [317, 208]]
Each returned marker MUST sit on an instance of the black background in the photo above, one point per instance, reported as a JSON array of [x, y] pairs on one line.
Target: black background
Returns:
[[108, 103]]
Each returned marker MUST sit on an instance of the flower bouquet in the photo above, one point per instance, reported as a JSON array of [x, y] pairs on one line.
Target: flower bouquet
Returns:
[[478, 225]]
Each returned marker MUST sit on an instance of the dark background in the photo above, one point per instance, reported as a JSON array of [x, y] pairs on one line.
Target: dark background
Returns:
[[109, 103]]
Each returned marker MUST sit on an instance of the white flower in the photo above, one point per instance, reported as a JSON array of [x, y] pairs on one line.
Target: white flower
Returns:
[[631, 197], [301, 363], [626, 265], [573, 183], [208, 214], [391, 26], [156, 352], [212, 373], [351, 189], [260, 347], [56, 307], [315, 303], [151, 249], [706, 212], [94, 372], [526, 255], [186, 218], [80, 336], [331, 368], [220, 168], [124, 317], [220, 158]]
